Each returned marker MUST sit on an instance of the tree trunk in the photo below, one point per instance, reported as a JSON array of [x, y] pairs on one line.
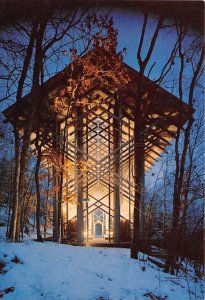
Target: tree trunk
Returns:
[[28, 127], [38, 194], [15, 208], [23, 174], [21, 159]]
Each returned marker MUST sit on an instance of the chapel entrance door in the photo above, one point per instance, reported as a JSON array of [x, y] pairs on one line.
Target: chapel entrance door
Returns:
[[98, 230], [98, 223]]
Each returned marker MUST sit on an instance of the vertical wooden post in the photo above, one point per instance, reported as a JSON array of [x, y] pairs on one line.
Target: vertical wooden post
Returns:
[[79, 175], [129, 178], [109, 186], [116, 163], [87, 183], [67, 189], [62, 138], [55, 205], [55, 141], [142, 205], [67, 210], [138, 178]]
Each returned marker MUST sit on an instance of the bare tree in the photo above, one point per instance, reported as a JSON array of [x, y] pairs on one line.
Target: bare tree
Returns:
[[139, 129], [194, 55]]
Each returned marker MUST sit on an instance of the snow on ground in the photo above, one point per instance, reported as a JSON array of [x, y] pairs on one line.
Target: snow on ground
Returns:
[[60, 272]]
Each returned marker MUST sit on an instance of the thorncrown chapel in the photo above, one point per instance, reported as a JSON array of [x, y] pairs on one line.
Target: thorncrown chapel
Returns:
[[86, 122]]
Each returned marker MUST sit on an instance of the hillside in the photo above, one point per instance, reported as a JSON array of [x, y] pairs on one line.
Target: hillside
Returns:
[[34, 271]]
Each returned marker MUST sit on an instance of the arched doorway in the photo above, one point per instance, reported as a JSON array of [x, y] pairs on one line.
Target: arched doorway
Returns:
[[98, 230], [98, 222]]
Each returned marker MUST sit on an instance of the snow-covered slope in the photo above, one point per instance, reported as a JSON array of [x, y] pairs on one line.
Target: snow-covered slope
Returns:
[[61, 272]]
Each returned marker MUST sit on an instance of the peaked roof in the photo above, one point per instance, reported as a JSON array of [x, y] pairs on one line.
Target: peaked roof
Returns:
[[161, 99], [164, 112]]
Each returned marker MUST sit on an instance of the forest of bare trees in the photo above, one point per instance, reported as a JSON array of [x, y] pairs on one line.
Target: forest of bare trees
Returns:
[[35, 49]]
